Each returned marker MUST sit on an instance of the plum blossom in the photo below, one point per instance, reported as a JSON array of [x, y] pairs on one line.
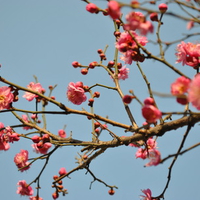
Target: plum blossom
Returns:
[[141, 153], [76, 93], [24, 189], [150, 112], [147, 196], [188, 54], [21, 159], [41, 148], [123, 73], [136, 20], [62, 133], [92, 8], [114, 9], [7, 135], [35, 198], [194, 92], [127, 46], [180, 86], [154, 157], [36, 87], [6, 97]]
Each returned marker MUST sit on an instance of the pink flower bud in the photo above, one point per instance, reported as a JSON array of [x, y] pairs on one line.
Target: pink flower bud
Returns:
[[127, 99], [154, 17], [149, 101], [92, 8], [84, 71], [163, 7], [36, 138], [62, 171], [76, 64], [62, 133], [114, 9]]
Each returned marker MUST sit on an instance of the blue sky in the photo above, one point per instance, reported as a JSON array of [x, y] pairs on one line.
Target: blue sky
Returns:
[[43, 38]]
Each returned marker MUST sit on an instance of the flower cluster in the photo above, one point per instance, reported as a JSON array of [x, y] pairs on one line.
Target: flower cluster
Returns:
[[128, 47], [136, 20], [6, 97], [41, 144], [7, 135], [24, 189], [149, 152], [187, 90], [188, 54], [76, 93], [150, 112], [36, 87]]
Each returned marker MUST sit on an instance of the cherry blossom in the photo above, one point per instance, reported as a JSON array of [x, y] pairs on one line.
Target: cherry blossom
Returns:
[[147, 196], [76, 93], [188, 54], [24, 189], [6, 97], [136, 20], [114, 9], [21, 159], [194, 92]]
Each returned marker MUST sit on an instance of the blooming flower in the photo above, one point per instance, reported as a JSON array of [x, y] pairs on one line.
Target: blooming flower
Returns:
[[126, 45], [114, 9], [24, 189], [6, 97], [62, 133], [147, 196], [36, 87], [41, 148], [154, 156], [76, 93], [141, 153], [21, 159], [194, 92], [136, 20], [188, 54], [180, 86]]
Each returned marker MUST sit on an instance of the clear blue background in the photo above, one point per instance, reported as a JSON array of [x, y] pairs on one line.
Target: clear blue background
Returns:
[[43, 38]]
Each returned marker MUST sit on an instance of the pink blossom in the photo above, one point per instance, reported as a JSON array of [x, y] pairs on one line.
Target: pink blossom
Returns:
[[35, 198], [151, 113], [75, 93], [21, 159], [6, 97], [24, 188], [123, 73], [136, 20], [62, 171], [126, 45], [154, 157], [62, 133], [188, 54], [141, 153], [43, 148], [36, 87], [163, 7], [114, 9], [92, 8], [190, 25], [147, 196], [180, 86], [151, 143], [194, 92]]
